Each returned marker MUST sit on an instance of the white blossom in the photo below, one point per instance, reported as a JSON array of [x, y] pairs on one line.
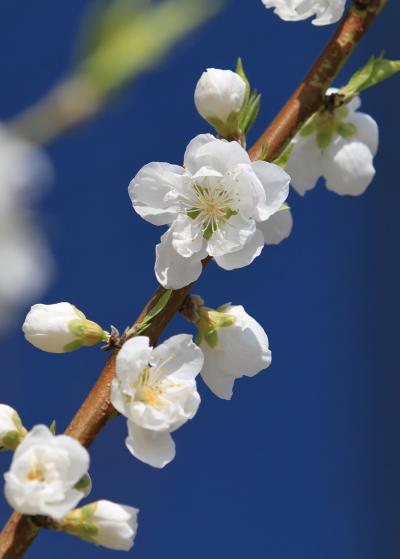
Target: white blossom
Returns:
[[11, 428], [60, 327], [104, 523], [26, 264], [219, 94], [339, 147], [217, 205], [155, 389], [43, 473], [325, 11], [233, 345]]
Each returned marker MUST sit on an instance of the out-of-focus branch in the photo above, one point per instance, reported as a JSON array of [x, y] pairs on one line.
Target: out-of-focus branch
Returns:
[[128, 39], [94, 413], [309, 96]]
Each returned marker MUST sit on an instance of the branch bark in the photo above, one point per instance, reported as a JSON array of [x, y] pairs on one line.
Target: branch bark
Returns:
[[92, 416]]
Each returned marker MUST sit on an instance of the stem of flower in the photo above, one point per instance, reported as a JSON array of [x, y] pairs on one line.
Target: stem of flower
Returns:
[[20, 531]]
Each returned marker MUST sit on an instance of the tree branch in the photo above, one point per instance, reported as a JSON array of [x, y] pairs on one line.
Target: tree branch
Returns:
[[20, 531]]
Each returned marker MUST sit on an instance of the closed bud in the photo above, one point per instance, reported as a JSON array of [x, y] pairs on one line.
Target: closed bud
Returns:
[[219, 97], [11, 429], [103, 523], [60, 328]]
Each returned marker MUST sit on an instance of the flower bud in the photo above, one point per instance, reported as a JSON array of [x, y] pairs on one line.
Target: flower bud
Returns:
[[233, 345], [60, 328], [104, 523], [218, 97], [11, 429]]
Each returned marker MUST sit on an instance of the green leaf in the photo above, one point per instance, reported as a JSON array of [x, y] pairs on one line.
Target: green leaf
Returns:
[[249, 113], [264, 151], [375, 71], [53, 427], [240, 71], [154, 311]]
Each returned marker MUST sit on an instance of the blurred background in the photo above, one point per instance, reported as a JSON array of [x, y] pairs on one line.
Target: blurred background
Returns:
[[304, 461]]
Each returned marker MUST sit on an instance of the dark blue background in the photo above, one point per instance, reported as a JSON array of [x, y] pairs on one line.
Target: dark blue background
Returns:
[[304, 461]]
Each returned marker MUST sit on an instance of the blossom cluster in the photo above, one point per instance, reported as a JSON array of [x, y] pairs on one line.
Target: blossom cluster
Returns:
[[218, 205]]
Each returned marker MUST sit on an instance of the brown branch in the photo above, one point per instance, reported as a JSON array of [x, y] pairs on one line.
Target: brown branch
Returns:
[[20, 531]]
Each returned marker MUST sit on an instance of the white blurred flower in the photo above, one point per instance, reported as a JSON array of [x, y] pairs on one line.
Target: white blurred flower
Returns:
[[104, 523], [24, 171], [338, 146], [26, 264], [217, 205], [326, 11], [233, 345], [44, 470], [11, 429], [219, 94], [155, 389], [60, 327]]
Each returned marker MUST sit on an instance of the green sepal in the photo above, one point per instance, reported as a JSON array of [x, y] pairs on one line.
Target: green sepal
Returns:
[[88, 532], [73, 346], [323, 138], [240, 71], [346, 129], [211, 338], [308, 128], [53, 427], [77, 327], [226, 321], [375, 71], [224, 307], [84, 483], [11, 440], [283, 159]]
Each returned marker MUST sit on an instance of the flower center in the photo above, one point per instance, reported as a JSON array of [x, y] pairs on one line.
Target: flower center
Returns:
[[212, 208], [149, 387], [36, 472]]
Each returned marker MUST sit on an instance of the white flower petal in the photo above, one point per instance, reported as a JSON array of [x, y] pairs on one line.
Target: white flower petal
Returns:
[[173, 271], [348, 167], [187, 237], [217, 380], [154, 448], [193, 147], [221, 155], [150, 192], [367, 130], [304, 167], [277, 228], [132, 357], [244, 256], [276, 185], [116, 525], [235, 233], [179, 357]]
